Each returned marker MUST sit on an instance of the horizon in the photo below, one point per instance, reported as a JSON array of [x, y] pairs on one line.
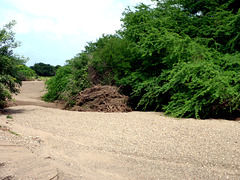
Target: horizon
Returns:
[[54, 31]]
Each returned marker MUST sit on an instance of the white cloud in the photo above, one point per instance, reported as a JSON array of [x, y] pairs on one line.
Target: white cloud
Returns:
[[61, 17], [60, 28], [67, 17]]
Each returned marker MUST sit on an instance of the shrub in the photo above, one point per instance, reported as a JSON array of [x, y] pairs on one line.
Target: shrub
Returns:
[[44, 69], [9, 77], [56, 85], [68, 81], [166, 57], [198, 89], [26, 73]]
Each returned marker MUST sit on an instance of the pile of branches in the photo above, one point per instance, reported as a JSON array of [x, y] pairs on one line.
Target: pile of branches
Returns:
[[100, 99]]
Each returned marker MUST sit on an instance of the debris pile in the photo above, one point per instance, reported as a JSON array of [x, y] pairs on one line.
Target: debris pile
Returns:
[[101, 99]]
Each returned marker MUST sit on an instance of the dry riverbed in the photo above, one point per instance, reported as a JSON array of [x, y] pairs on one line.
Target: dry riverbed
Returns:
[[40, 141]]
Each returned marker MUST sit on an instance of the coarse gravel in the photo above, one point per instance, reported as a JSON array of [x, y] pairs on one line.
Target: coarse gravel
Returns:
[[92, 145]]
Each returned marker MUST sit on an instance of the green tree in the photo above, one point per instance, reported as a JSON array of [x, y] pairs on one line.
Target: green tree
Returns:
[[111, 60], [69, 80], [57, 84], [43, 69], [9, 76], [178, 43], [26, 73], [57, 67], [178, 56], [214, 22]]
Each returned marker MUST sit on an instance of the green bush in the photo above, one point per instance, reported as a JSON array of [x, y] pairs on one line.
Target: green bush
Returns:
[[175, 56], [43, 69], [199, 89], [111, 60], [56, 85], [26, 73], [68, 81], [9, 76]]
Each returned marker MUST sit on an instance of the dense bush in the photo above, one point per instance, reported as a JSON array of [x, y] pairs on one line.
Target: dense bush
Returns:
[[102, 62], [68, 81], [43, 69], [194, 89], [9, 75], [26, 73], [193, 71], [57, 84], [177, 56], [111, 60]]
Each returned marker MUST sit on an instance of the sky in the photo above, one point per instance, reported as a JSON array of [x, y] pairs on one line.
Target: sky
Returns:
[[53, 31]]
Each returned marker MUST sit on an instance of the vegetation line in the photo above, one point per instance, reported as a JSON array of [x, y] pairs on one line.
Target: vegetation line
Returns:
[[178, 56]]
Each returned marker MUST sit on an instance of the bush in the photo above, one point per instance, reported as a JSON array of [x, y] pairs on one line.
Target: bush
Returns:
[[57, 84], [198, 89], [9, 77], [44, 69], [111, 60], [68, 81], [26, 73], [168, 57]]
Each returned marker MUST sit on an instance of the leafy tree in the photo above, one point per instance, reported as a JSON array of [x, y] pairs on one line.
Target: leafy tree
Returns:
[[43, 69], [178, 56], [103, 62], [206, 6], [215, 22], [197, 89], [57, 84], [173, 39], [111, 60], [26, 73], [9, 76], [69, 80], [57, 67]]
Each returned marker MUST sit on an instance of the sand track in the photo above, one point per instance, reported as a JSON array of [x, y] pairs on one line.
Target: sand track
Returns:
[[59, 144]]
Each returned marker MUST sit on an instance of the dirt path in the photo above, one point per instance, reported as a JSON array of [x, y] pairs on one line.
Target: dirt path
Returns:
[[58, 144], [31, 93]]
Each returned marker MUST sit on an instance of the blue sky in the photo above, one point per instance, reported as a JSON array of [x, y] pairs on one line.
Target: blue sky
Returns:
[[53, 31]]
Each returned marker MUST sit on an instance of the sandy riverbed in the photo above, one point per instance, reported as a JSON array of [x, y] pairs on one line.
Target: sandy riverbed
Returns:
[[60, 144]]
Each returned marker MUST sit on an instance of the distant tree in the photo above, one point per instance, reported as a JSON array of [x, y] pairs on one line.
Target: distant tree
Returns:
[[57, 67], [26, 73], [44, 69]]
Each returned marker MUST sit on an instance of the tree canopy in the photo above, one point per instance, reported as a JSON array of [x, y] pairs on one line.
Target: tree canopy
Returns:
[[43, 69], [178, 56], [9, 77]]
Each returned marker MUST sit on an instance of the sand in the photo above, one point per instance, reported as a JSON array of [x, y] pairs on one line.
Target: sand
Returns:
[[59, 144]]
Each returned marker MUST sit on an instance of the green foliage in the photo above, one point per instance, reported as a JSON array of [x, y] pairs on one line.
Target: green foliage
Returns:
[[215, 21], [178, 56], [201, 90], [9, 116], [44, 69], [111, 60], [79, 79], [183, 69], [9, 76], [26, 73], [206, 6], [68, 81], [57, 84], [197, 89]]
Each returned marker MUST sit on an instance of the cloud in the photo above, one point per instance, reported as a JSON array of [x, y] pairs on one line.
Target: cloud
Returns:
[[66, 17], [52, 31], [61, 17]]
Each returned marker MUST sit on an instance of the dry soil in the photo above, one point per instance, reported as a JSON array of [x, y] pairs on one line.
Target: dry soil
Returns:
[[43, 142]]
